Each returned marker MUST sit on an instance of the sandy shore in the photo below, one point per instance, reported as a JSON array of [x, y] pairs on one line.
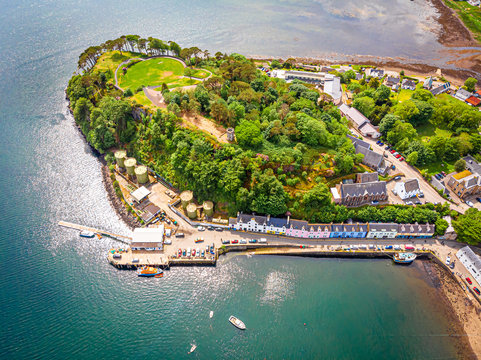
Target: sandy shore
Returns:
[[462, 311]]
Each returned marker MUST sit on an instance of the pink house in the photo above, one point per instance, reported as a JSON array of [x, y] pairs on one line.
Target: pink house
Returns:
[[298, 228]]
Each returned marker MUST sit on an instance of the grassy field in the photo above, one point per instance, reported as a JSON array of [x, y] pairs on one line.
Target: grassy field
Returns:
[[200, 73], [470, 15], [427, 130], [152, 72], [183, 82], [437, 167], [112, 59]]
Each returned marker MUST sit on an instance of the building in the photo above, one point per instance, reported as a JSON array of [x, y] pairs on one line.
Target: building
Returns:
[[440, 89], [408, 84], [471, 261], [372, 159], [382, 231], [359, 121], [407, 189], [465, 183], [391, 81], [332, 87], [140, 194], [473, 100], [309, 77], [428, 83], [462, 94], [474, 2], [367, 177], [150, 239], [377, 73], [358, 142], [302, 229], [415, 231], [359, 194]]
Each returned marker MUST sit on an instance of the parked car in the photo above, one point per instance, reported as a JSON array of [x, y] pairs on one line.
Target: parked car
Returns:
[[263, 241], [378, 142], [401, 159], [469, 281], [469, 203], [225, 241], [476, 290], [397, 178], [452, 265], [235, 241], [374, 202], [393, 167], [219, 229], [392, 151], [253, 241], [179, 235], [397, 156], [479, 199], [180, 253], [448, 260], [381, 144], [184, 252], [409, 203], [418, 202], [193, 252], [387, 147], [168, 242], [200, 228], [388, 247], [242, 241], [421, 195], [385, 155], [210, 228], [442, 172]]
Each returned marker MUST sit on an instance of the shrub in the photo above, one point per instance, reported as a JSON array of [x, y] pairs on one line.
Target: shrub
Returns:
[[128, 93]]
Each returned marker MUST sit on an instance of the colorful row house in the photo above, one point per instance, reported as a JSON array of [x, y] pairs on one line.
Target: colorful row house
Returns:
[[302, 229]]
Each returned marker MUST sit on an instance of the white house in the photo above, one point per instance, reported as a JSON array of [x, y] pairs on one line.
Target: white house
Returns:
[[382, 231], [471, 261], [408, 189], [408, 84]]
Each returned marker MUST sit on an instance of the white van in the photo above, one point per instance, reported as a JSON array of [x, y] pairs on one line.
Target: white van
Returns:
[[263, 241]]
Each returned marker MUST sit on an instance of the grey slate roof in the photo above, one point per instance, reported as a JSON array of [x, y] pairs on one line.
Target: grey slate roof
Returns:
[[372, 188], [411, 185], [392, 80], [367, 177], [371, 158], [383, 227], [277, 222], [298, 224], [472, 165], [358, 142]]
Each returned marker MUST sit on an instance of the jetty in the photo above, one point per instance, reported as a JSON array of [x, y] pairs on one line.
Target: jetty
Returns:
[[123, 238]]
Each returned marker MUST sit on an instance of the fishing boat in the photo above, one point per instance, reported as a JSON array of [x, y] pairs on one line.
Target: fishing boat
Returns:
[[147, 271], [87, 234], [404, 258], [198, 240], [192, 349], [211, 314], [237, 322]]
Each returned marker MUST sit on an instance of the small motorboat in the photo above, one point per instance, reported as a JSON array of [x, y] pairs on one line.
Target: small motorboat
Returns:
[[211, 314], [148, 271], [198, 240], [192, 349], [237, 322], [87, 234]]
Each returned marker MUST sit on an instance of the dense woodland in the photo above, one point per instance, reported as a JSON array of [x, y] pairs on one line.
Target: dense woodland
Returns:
[[291, 140]]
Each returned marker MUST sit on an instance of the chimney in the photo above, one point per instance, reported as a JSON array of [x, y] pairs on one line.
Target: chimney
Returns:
[[288, 219], [268, 217]]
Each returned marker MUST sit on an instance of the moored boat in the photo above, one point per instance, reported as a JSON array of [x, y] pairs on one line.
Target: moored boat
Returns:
[[148, 271], [192, 349], [237, 322], [87, 234], [404, 258], [211, 314]]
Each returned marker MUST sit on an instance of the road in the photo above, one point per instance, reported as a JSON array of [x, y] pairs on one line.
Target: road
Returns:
[[430, 194]]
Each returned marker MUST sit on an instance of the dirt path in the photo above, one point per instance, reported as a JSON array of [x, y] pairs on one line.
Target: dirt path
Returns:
[[155, 97], [206, 125]]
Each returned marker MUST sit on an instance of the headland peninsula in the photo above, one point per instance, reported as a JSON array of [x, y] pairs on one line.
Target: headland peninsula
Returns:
[[224, 153]]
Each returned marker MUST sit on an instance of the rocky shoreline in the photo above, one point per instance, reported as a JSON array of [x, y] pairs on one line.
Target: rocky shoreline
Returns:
[[462, 313], [130, 220]]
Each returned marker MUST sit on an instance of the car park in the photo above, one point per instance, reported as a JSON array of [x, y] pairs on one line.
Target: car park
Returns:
[[468, 280]]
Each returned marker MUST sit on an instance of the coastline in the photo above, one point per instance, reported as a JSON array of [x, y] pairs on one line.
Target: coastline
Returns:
[[462, 313]]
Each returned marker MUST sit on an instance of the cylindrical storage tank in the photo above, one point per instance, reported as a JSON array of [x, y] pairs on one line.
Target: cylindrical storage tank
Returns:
[[130, 166], [120, 157], [141, 174], [191, 211], [208, 208], [186, 198]]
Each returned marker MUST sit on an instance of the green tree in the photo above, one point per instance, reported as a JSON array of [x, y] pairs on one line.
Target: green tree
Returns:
[[344, 163], [413, 158], [248, 134], [268, 195], [470, 84], [441, 226], [382, 94], [364, 104], [188, 72], [400, 131], [317, 197], [460, 165], [387, 123], [468, 227], [407, 111]]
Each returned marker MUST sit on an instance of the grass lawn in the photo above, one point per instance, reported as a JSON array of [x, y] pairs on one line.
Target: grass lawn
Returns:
[[470, 15], [437, 167], [183, 82], [152, 72], [404, 94], [200, 73], [112, 59], [427, 130]]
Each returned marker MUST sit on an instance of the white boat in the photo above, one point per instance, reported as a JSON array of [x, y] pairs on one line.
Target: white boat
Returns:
[[237, 322], [87, 234], [192, 349], [211, 314]]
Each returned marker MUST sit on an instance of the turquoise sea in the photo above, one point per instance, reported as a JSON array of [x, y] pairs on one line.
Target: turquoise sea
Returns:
[[59, 297]]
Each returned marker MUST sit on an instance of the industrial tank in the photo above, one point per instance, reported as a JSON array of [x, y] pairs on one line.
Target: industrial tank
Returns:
[[191, 211], [186, 198], [130, 166], [120, 156], [208, 208], [141, 174]]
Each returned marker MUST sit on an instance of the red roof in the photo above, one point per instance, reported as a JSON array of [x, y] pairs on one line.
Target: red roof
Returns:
[[478, 92], [473, 101]]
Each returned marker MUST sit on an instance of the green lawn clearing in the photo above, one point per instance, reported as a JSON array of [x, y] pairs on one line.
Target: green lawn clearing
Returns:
[[427, 130], [112, 59], [200, 73], [437, 167], [152, 72], [182, 82]]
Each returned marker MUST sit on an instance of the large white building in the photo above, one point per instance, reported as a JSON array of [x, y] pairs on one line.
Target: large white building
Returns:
[[471, 261], [148, 238]]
